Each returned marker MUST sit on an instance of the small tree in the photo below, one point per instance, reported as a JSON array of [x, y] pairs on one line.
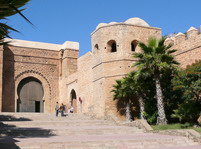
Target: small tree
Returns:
[[123, 91], [188, 81], [137, 90], [128, 89]]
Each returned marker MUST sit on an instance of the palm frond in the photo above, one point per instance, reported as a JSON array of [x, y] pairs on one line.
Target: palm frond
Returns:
[[171, 51], [152, 43], [19, 12], [4, 26], [9, 8]]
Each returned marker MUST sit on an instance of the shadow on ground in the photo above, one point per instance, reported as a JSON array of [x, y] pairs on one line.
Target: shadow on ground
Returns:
[[12, 118], [9, 133]]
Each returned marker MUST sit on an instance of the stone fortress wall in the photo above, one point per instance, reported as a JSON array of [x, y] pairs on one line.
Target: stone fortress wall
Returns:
[[188, 46], [84, 82]]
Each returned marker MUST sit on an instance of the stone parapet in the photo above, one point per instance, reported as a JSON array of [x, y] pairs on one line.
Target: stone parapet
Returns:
[[141, 124], [70, 45], [188, 46], [33, 44], [180, 37], [191, 34]]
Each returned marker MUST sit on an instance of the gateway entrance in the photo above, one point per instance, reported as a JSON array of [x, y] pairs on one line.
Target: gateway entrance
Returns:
[[30, 95]]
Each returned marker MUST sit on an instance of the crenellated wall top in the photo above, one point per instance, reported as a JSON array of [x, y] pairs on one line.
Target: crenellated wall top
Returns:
[[191, 34]]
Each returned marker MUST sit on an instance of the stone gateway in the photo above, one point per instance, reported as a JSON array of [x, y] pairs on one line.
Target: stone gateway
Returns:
[[34, 76]]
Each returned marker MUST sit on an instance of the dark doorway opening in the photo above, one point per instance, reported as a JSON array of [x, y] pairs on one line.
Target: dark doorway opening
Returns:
[[37, 106], [74, 101]]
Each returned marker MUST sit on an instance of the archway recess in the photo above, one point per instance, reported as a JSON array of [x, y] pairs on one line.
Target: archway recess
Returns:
[[30, 95], [73, 100]]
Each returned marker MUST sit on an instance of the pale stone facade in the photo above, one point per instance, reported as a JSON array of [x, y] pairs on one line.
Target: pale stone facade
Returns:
[[85, 82]]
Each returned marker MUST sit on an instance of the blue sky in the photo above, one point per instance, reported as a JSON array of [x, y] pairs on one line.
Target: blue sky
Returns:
[[57, 21]]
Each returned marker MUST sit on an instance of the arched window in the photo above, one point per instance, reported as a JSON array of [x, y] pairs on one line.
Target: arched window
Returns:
[[134, 45], [112, 46], [96, 48]]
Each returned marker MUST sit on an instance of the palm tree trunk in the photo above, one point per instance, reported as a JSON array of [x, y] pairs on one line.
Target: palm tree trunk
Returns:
[[161, 119], [141, 102], [128, 112]]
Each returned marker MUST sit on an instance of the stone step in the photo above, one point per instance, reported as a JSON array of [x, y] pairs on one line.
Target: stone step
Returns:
[[58, 123], [40, 116], [144, 141], [78, 131], [58, 131]]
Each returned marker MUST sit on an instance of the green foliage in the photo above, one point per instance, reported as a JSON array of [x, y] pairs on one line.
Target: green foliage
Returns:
[[9, 8], [171, 97], [124, 88], [155, 57], [165, 127], [151, 117], [188, 111], [150, 100], [186, 125], [155, 61], [124, 92], [128, 89], [171, 126], [175, 126], [188, 82]]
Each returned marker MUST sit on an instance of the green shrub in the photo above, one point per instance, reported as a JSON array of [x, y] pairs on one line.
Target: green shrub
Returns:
[[188, 82], [186, 125]]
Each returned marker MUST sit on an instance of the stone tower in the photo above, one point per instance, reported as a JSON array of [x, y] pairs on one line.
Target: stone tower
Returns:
[[112, 46]]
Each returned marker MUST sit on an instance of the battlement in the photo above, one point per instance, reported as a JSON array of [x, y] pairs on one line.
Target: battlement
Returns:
[[191, 34]]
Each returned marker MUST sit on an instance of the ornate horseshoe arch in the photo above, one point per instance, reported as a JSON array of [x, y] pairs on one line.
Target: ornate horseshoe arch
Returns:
[[45, 84]]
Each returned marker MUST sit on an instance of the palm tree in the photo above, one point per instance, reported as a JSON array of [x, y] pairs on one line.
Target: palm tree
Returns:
[[129, 88], [9, 8], [156, 58], [139, 91], [123, 91]]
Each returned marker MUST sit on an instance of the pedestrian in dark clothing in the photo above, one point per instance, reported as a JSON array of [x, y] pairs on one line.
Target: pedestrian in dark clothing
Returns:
[[62, 108], [57, 108]]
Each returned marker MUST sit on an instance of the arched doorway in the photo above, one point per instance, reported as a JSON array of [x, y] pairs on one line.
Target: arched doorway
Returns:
[[73, 100], [30, 95]]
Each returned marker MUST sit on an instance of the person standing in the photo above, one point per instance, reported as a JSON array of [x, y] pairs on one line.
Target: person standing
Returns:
[[57, 109], [62, 108]]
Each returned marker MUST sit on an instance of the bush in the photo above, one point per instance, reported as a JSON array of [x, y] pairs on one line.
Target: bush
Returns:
[[188, 82], [186, 125]]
